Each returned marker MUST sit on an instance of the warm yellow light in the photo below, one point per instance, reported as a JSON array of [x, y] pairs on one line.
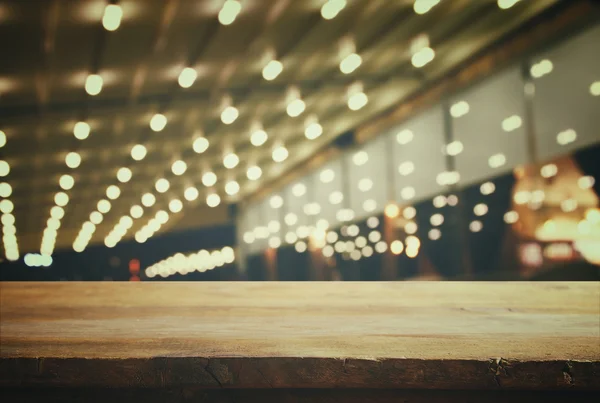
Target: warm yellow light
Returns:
[[111, 20], [336, 197], [566, 137], [136, 211], [506, 4], [148, 200], [404, 137], [369, 205], [73, 160], [213, 200], [594, 90], [61, 199], [229, 115], [459, 109], [191, 193], [7, 206], [475, 226], [272, 70], [497, 160], [280, 154], [179, 167], [162, 185], [209, 179], [124, 175], [274, 242], [549, 170], [175, 206], [55, 212], [103, 206], [231, 160], [138, 152], [360, 158], [66, 182], [96, 217], [93, 84], [586, 182], [229, 12], [423, 6], [81, 130], [254, 173], [409, 212], [397, 247], [113, 192], [392, 210], [357, 100], [512, 123], [2, 139], [290, 219], [187, 77], [312, 129], [454, 148], [161, 216], [158, 122], [300, 247], [350, 63], [200, 145], [407, 193], [480, 209], [406, 168], [232, 188], [593, 215], [511, 217], [332, 8], [422, 57], [381, 247], [295, 107], [436, 219], [276, 201], [541, 68]]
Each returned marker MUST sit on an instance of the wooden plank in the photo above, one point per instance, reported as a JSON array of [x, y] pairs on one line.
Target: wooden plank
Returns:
[[432, 335]]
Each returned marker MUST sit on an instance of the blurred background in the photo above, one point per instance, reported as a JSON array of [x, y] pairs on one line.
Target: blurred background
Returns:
[[300, 140]]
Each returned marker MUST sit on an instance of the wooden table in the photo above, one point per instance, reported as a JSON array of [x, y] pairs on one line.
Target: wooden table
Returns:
[[318, 342]]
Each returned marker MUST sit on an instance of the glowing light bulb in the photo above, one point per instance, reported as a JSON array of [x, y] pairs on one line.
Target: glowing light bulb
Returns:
[[327, 175], [360, 158], [113, 192], [594, 90], [357, 100], [229, 115], [209, 179], [213, 200], [2, 139], [512, 123], [459, 109], [229, 12], [73, 160], [191, 193], [158, 122], [506, 4], [258, 137], [124, 175], [136, 211], [200, 145], [566, 137], [254, 173], [179, 167], [276, 201], [497, 160], [81, 130], [404, 137], [336, 197], [66, 182], [175, 206], [148, 200], [93, 84], [511, 217], [549, 170], [295, 107], [290, 219], [232, 188], [422, 57], [272, 70], [350, 63], [162, 185], [541, 68], [407, 193], [138, 152], [187, 77], [280, 154], [396, 247], [436, 219], [274, 242], [406, 168], [392, 210], [454, 148], [312, 129], [475, 226], [480, 209], [487, 188], [111, 20], [7, 206], [231, 160], [61, 199], [332, 8], [365, 184], [423, 6], [96, 217], [56, 212], [299, 189], [103, 206], [586, 182]]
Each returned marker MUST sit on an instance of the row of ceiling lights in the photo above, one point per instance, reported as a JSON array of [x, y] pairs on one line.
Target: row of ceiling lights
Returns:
[[201, 261], [9, 229]]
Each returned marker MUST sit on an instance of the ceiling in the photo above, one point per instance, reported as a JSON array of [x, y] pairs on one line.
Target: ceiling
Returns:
[[50, 47]]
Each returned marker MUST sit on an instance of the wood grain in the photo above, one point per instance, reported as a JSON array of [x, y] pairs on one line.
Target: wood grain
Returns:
[[449, 335]]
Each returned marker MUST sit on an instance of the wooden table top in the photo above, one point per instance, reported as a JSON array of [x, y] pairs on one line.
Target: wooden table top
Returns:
[[333, 334]]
